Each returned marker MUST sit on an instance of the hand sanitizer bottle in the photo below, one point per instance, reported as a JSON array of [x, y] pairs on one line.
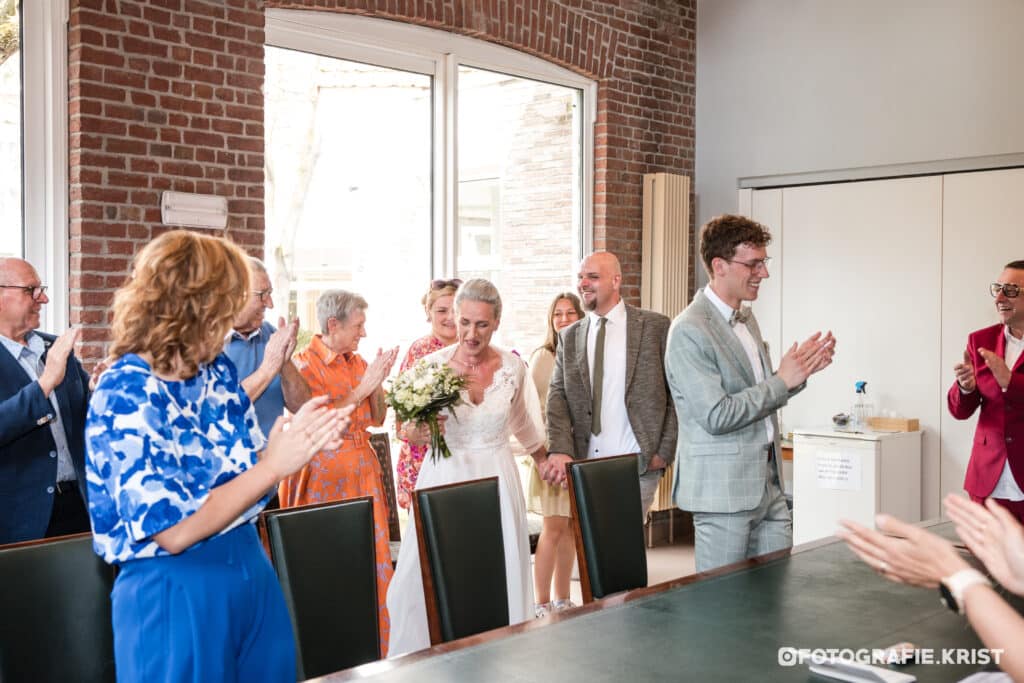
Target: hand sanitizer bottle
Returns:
[[861, 408]]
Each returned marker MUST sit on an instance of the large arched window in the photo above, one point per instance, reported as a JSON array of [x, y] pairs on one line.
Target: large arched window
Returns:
[[33, 158], [396, 154]]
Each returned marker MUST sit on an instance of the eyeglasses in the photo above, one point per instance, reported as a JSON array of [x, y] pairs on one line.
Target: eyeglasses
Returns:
[[34, 291], [756, 264], [1010, 291], [441, 284], [264, 294]]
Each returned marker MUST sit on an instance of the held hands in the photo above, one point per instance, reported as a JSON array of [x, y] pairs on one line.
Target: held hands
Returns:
[[965, 373], [998, 367], [57, 360], [994, 536], [295, 439], [902, 552], [553, 470], [800, 362]]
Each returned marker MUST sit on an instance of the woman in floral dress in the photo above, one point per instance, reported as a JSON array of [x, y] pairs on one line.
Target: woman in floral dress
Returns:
[[437, 303]]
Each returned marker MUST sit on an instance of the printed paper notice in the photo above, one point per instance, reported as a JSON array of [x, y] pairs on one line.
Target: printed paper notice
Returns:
[[838, 470]]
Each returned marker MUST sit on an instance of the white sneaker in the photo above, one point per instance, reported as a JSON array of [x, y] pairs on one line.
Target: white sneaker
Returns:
[[542, 610], [562, 605]]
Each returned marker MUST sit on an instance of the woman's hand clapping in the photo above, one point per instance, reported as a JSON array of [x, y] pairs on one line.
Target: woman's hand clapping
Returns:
[[295, 439]]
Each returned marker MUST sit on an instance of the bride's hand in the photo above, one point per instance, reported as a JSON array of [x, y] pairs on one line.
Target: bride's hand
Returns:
[[418, 433]]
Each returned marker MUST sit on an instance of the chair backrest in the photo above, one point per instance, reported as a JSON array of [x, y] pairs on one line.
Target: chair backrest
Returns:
[[608, 525], [462, 558], [56, 612], [381, 444], [325, 560]]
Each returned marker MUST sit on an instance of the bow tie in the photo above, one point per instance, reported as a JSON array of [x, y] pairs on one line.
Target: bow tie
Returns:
[[739, 316]]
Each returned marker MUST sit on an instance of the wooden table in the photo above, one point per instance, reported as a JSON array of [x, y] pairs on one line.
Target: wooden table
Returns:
[[726, 625]]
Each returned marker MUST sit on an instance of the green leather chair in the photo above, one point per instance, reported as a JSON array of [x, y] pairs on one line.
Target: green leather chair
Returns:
[[462, 558], [325, 560], [607, 525], [56, 606]]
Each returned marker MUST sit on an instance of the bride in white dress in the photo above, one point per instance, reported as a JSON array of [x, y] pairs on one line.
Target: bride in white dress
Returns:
[[499, 400]]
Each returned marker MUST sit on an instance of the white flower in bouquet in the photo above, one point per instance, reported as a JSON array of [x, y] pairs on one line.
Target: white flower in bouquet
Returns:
[[420, 394]]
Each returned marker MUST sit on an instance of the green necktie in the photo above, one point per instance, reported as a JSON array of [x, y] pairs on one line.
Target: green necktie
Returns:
[[598, 381]]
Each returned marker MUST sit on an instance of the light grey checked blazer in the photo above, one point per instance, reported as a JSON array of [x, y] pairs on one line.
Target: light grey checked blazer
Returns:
[[648, 404], [721, 455]]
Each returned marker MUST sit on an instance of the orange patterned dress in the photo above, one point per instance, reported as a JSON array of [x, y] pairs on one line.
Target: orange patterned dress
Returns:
[[350, 471]]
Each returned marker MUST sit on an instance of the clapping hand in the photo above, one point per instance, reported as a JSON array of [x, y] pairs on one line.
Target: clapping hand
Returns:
[[800, 362], [295, 439], [998, 366], [965, 373], [281, 345], [377, 371], [57, 359], [994, 536], [902, 552]]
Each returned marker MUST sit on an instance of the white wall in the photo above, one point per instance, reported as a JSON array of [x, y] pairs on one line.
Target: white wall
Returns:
[[790, 86], [899, 270]]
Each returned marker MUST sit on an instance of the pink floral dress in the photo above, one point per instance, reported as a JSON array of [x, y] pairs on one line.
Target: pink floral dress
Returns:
[[410, 457]]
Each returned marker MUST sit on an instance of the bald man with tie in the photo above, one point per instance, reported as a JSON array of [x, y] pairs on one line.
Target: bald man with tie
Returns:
[[726, 397], [608, 394]]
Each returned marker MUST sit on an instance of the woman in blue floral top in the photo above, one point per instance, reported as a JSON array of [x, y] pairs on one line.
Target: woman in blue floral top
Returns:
[[178, 470]]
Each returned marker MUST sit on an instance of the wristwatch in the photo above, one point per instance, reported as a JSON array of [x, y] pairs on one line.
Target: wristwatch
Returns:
[[953, 587]]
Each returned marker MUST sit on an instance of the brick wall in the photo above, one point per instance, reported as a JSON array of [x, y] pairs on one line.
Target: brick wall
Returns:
[[165, 94]]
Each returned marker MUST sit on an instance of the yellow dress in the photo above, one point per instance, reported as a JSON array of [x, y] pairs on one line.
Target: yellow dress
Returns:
[[541, 497]]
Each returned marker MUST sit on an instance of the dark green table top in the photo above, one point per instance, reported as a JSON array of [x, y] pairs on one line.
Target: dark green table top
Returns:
[[728, 627]]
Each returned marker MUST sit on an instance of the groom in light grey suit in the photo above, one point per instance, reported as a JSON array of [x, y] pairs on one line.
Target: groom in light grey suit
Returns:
[[726, 398], [608, 394]]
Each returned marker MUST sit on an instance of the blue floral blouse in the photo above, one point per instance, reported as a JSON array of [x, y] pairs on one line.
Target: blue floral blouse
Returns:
[[155, 449]]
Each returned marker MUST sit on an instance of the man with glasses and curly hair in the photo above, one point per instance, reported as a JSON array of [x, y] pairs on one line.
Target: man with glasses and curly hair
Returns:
[[726, 395], [991, 377], [43, 396]]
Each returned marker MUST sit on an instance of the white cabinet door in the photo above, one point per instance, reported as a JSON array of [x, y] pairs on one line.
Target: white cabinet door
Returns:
[[833, 479]]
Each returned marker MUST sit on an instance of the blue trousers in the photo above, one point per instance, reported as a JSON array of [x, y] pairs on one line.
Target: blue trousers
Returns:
[[212, 613]]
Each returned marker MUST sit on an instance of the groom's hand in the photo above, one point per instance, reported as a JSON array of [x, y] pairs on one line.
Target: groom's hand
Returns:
[[555, 472]]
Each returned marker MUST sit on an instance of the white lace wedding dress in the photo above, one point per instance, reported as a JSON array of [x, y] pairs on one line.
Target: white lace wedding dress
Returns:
[[478, 436]]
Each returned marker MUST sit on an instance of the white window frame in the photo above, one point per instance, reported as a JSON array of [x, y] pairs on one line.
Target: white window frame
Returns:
[[44, 45], [438, 54]]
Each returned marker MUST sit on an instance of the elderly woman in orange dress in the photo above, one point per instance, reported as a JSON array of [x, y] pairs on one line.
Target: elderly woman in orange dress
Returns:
[[331, 367], [437, 303]]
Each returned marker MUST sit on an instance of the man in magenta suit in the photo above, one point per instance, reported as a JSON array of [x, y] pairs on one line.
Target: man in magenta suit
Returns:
[[992, 376]]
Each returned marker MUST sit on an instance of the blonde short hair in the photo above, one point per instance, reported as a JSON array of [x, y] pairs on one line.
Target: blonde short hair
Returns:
[[185, 291]]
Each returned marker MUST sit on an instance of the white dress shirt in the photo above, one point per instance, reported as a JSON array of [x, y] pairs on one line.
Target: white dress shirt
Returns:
[[749, 346], [1006, 488], [616, 437], [30, 357]]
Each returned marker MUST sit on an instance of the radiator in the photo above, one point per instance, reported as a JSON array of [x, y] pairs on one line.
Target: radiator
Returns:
[[665, 257], [665, 264]]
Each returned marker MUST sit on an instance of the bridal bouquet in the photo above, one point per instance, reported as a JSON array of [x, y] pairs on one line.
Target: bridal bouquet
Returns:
[[423, 391]]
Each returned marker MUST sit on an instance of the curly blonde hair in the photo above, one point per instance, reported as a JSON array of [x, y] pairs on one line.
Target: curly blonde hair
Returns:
[[185, 291]]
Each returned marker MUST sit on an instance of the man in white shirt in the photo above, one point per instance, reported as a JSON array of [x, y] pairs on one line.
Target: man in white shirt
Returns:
[[726, 398], [44, 393], [608, 394]]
